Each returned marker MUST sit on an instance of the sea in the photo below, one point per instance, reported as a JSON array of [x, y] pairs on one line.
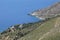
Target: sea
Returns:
[[14, 12]]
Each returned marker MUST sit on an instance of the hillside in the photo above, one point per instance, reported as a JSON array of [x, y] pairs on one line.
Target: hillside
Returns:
[[49, 30], [15, 32], [48, 12], [45, 30]]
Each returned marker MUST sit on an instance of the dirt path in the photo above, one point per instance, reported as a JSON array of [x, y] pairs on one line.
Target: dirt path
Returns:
[[56, 27], [7, 38]]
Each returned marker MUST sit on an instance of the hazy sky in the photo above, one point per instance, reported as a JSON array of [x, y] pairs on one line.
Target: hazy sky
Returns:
[[15, 11]]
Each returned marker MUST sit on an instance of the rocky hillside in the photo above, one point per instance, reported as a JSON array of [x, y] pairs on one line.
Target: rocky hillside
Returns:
[[17, 31], [49, 12], [47, 29]]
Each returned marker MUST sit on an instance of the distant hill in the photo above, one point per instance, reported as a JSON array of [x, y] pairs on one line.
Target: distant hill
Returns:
[[49, 12], [47, 29]]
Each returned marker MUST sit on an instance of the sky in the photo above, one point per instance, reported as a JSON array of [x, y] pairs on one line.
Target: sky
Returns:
[[15, 11]]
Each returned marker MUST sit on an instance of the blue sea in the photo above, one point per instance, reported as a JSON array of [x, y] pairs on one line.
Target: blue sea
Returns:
[[15, 11]]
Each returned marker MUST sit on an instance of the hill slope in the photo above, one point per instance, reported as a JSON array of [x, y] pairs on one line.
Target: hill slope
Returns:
[[45, 30], [15, 32], [49, 12], [49, 30]]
